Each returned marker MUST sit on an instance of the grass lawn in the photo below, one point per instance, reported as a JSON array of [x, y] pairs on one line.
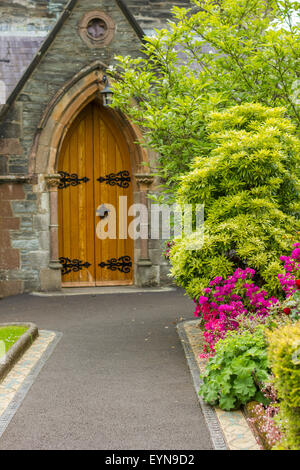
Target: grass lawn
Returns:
[[8, 336]]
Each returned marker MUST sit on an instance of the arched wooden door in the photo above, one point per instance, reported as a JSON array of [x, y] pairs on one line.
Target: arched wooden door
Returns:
[[95, 171]]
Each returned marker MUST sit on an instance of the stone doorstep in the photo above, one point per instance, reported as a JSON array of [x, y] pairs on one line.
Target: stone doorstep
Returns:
[[232, 426], [12, 356], [72, 291]]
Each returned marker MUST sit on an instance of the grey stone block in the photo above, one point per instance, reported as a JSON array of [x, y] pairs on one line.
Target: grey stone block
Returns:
[[3, 164], [25, 275], [44, 203], [156, 257], [26, 224], [13, 115], [44, 241], [31, 197], [23, 207], [25, 244], [41, 222], [50, 280], [147, 275], [156, 244], [39, 259], [17, 169], [10, 131]]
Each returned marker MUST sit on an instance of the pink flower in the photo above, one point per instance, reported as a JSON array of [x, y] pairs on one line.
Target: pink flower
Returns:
[[207, 290], [296, 254], [203, 300], [227, 299]]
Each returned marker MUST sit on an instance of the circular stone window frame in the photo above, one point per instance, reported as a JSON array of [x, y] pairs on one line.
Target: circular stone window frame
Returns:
[[87, 38]]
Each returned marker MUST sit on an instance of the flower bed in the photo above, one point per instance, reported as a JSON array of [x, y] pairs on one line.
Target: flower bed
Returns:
[[244, 328], [261, 421], [227, 300]]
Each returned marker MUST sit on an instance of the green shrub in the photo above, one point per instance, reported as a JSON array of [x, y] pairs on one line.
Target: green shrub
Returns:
[[249, 186], [230, 377], [284, 358], [258, 46]]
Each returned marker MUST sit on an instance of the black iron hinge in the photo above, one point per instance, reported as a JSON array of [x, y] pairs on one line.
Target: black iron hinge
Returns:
[[74, 265], [121, 179], [68, 179], [122, 264]]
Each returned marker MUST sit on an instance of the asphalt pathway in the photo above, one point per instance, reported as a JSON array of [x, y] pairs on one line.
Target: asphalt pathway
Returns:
[[118, 378]]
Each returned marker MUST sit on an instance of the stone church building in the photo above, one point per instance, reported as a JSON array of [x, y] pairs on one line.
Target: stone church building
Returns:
[[63, 153]]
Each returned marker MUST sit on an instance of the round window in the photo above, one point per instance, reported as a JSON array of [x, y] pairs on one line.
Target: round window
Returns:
[[97, 28]]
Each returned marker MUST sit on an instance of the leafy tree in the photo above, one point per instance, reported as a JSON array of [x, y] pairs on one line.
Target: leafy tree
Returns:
[[226, 53], [249, 186]]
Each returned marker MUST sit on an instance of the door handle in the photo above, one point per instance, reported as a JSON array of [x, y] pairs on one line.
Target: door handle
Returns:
[[102, 211]]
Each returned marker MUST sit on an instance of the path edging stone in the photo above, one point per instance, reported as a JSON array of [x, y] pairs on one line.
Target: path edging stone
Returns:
[[210, 416], [18, 348], [236, 430]]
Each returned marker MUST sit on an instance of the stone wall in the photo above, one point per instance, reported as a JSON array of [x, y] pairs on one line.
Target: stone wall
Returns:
[[21, 240], [9, 257], [36, 17], [67, 55], [152, 14], [24, 232], [29, 16], [24, 245]]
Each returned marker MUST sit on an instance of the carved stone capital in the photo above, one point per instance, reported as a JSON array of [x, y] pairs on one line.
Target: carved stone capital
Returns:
[[52, 181], [144, 180]]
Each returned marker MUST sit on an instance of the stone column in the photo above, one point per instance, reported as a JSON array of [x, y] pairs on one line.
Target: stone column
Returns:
[[146, 273], [52, 279]]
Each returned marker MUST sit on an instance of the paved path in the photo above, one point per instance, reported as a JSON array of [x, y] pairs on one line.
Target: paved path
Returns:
[[118, 378]]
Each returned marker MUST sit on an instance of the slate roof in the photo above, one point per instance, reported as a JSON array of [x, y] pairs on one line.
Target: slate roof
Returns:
[[16, 54], [18, 47]]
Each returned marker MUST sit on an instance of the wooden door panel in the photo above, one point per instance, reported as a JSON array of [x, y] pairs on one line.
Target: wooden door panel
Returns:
[[76, 240], [94, 147], [124, 246], [111, 156]]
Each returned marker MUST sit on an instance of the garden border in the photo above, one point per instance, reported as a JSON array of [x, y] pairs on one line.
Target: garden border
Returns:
[[249, 414], [18, 348], [236, 430], [216, 434]]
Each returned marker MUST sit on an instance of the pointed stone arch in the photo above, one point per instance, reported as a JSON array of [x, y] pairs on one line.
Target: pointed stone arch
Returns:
[[58, 116]]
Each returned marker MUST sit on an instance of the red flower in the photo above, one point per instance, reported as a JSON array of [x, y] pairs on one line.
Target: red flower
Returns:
[[287, 311], [298, 283]]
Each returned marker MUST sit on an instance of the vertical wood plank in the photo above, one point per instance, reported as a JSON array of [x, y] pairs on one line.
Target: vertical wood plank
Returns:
[[76, 202], [113, 157], [93, 147], [90, 198]]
